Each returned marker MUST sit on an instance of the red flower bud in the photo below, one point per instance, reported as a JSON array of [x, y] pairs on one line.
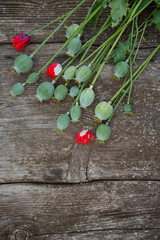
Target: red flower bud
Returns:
[[20, 41], [83, 137], [54, 70]]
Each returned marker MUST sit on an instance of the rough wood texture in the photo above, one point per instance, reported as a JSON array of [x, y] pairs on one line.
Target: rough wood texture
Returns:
[[80, 209], [27, 16], [122, 203], [33, 151]]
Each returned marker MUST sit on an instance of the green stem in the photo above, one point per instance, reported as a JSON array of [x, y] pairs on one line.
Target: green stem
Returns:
[[100, 69], [92, 125], [131, 77], [90, 10], [133, 61], [66, 61], [48, 24], [68, 15], [142, 67], [129, 58], [80, 51], [66, 43], [138, 72], [103, 28], [122, 26], [135, 55], [77, 98]]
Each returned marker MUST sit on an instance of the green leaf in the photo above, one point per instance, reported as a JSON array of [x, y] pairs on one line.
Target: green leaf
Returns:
[[127, 44], [156, 19], [120, 53], [142, 5], [158, 2], [94, 19], [105, 3], [118, 10]]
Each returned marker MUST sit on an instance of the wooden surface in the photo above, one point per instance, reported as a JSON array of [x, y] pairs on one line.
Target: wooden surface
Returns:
[[51, 188]]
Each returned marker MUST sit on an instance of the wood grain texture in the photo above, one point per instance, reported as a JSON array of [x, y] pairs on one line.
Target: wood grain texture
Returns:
[[37, 210], [104, 235], [32, 151], [97, 192], [27, 16]]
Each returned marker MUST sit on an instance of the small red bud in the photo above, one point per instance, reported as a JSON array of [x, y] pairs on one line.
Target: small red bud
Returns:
[[20, 41], [54, 70]]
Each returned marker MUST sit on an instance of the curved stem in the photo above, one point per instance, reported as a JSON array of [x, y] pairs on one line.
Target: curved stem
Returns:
[[59, 18], [142, 67], [100, 69], [138, 72], [68, 15], [65, 44]]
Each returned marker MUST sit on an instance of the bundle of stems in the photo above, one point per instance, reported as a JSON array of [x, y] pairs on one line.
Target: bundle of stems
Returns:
[[91, 64]]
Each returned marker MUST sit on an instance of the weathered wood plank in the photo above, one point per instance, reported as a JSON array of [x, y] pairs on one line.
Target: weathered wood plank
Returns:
[[33, 210], [25, 16], [103, 235], [31, 151]]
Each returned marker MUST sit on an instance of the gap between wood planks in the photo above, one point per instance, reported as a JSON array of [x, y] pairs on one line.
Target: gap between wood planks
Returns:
[[80, 183]]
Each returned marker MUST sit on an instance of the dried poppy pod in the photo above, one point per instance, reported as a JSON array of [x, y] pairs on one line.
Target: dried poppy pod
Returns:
[[87, 97], [17, 89], [31, 79], [63, 122], [72, 29], [45, 91], [83, 74], [69, 73], [75, 113], [60, 93], [74, 92], [103, 133], [22, 64], [120, 70], [74, 46], [127, 108], [103, 111]]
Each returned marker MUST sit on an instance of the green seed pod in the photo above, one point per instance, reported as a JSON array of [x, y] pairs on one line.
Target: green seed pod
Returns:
[[22, 64], [60, 93], [44, 91], [74, 46], [74, 91], [103, 111], [17, 89], [72, 29], [120, 70], [33, 79], [69, 73], [75, 113], [127, 108], [87, 97], [103, 133], [83, 74], [63, 122]]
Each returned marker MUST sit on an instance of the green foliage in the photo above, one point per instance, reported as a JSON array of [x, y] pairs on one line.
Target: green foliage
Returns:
[[120, 53], [103, 4], [118, 10], [142, 5], [127, 44], [156, 19], [158, 2], [95, 18]]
